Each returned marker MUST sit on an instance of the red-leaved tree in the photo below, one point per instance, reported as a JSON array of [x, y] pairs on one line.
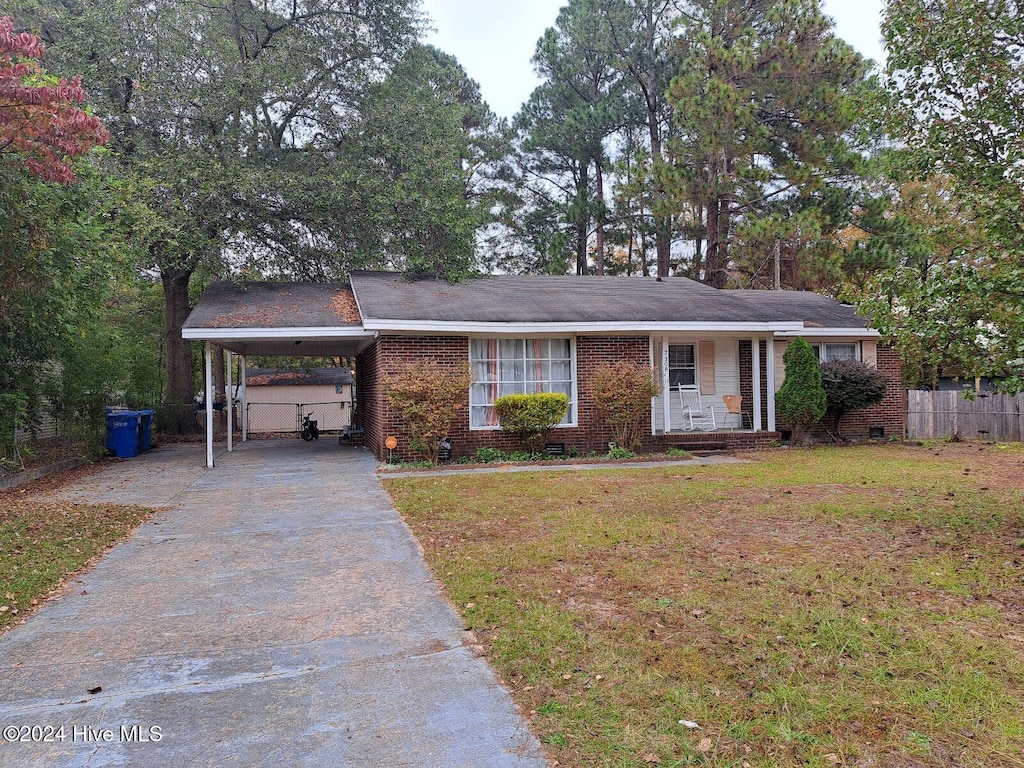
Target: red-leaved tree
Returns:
[[39, 121]]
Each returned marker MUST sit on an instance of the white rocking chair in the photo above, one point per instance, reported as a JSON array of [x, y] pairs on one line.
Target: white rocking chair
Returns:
[[695, 412]]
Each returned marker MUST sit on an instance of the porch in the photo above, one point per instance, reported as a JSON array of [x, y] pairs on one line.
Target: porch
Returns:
[[708, 385]]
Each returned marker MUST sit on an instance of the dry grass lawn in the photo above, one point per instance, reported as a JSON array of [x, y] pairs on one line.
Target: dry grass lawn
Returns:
[[45, 541], [830, 607]]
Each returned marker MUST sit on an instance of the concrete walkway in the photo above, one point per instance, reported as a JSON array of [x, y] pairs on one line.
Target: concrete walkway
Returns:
[[277, 613], [703, 461]]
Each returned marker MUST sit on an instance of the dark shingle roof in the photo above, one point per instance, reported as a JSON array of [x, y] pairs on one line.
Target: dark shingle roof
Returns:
[[512, 299], [275, 305], [570, 299]]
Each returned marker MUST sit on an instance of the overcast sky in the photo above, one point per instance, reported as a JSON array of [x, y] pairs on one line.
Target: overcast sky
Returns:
[[494, 39]]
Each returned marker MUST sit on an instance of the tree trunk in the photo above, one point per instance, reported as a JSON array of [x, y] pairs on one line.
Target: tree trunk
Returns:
[[662, 223], [629, 250], [716, 273], [718, 265], [219, 379], [655, 100], [599, 191], [711, 259], [180, 391], [583, 220]]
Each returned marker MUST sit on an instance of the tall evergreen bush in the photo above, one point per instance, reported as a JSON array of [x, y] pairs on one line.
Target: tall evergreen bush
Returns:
[[802, 400]]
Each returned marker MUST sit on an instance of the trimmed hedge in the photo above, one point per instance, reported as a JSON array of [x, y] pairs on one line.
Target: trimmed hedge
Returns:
[[531, 417]]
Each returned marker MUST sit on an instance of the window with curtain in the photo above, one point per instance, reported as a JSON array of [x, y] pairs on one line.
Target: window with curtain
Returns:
[[829, 353], [515, 367]]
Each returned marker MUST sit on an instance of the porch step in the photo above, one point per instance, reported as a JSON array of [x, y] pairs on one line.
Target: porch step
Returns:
[[694, 446]]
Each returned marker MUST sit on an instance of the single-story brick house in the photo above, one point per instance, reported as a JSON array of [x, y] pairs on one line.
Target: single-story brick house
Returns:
[[549, 333]]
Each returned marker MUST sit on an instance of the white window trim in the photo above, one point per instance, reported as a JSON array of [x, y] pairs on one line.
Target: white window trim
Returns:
[[696, 367], [575, 411]]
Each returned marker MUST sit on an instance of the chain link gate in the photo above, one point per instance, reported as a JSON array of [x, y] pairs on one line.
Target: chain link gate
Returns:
[[286, 418]]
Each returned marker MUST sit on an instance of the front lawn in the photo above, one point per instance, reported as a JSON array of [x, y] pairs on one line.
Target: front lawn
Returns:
[[858, 606]]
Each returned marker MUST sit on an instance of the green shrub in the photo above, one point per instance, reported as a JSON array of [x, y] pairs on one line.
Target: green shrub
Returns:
[[488, 455], [801, 401], [622, 395], [524, 456], [531, 417], [677, 452], [618, 452], [850, 385]]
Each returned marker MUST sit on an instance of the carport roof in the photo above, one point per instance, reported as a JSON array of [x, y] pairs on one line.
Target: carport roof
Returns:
[[276, 318]]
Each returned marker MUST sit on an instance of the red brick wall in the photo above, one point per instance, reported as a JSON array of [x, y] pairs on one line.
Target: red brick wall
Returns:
[[389, 353], [369, 398], [387, 356], [746, 380], [890, 414]]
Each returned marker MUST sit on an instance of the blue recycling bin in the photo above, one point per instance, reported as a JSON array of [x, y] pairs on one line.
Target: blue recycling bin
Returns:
[[123, 433], [145, 429]]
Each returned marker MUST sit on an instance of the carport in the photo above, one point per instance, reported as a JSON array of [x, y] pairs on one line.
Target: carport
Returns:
[[291, 319]]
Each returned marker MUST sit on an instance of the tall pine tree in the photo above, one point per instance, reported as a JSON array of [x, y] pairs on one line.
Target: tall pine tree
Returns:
[[762, 103]]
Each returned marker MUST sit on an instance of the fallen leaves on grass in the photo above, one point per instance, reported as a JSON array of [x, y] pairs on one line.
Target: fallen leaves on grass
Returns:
[[806, 607], [44, 541]]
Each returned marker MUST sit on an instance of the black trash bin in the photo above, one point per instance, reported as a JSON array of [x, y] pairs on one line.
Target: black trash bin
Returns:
[[145, 429], [123, 433]]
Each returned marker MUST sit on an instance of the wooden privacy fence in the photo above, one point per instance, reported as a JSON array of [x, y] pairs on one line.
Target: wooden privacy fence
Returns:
[[938, 415]]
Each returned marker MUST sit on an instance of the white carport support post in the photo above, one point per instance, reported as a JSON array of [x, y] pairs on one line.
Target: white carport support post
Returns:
[[756, 355], [666, 402], [245, 398], [770, 363], [208, 397], [230, 402]]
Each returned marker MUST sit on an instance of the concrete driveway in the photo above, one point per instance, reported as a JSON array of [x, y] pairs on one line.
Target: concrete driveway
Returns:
[[277, 613]]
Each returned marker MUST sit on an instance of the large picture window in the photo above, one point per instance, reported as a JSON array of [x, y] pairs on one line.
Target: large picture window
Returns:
[[516, 367]]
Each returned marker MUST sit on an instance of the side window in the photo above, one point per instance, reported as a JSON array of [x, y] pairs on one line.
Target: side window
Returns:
[[835, 352], [829, 353]]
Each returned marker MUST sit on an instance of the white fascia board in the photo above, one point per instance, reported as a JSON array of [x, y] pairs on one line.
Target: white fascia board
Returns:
[[449, 327], [237, 334], [858, 333]]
